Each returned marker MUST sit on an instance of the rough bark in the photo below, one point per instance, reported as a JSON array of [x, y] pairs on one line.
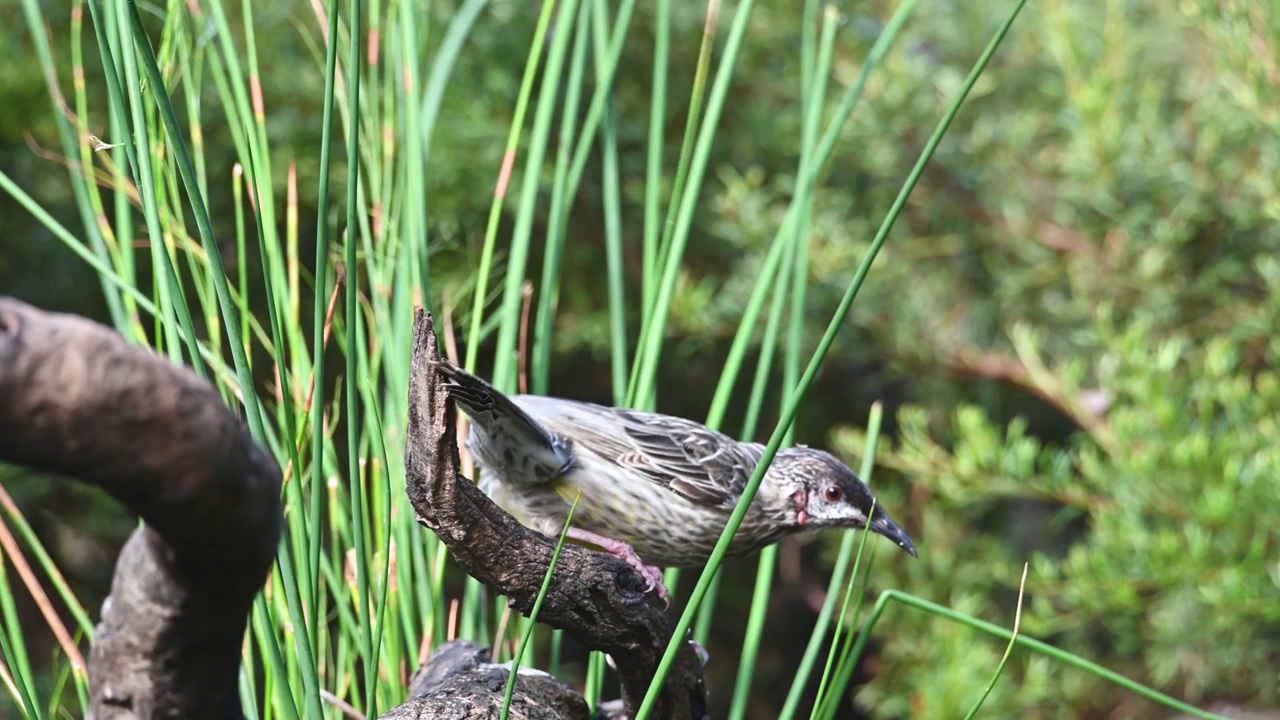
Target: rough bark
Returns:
[[597, 599], [458, 683], [77, 400]]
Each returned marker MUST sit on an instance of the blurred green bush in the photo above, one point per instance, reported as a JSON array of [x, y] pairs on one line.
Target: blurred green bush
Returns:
[[1076, 319], [1080, 312], [1151, 535], [1100, 237]]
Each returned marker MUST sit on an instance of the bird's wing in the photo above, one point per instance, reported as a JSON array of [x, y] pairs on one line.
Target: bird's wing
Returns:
[[701, 464], [504, 438]]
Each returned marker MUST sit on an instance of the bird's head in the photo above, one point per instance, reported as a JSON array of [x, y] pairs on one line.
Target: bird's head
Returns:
[[817, 491]]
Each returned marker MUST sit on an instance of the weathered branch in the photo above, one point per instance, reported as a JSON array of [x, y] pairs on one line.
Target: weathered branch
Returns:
[[457, 682], [1088, 409], [596, 598], [77, 400]]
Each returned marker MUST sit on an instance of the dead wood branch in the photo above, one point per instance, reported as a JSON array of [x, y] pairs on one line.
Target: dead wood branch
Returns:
[[595, 598], [77, 400]]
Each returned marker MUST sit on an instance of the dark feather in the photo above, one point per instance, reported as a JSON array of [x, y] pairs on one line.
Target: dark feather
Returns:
[[701, 464], [504, 437]]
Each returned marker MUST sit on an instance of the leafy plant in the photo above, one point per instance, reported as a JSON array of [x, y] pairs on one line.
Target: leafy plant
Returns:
[[1072, 324]]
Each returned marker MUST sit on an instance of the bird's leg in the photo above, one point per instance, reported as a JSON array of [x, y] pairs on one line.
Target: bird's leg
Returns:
[[626, 553]]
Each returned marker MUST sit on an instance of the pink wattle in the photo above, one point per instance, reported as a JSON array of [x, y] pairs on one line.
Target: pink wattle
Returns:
[[802, 517]]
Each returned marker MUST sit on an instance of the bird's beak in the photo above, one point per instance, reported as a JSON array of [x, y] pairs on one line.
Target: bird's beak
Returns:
[[883, 525]]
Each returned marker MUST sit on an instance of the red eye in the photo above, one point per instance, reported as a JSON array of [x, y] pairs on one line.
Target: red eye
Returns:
[[833, 494]]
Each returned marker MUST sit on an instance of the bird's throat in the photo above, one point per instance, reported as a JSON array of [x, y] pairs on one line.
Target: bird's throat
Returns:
[[801, 499]]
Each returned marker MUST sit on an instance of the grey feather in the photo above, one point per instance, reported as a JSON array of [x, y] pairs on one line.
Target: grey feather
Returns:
[[680, 455], [503, 437], [664, 485]]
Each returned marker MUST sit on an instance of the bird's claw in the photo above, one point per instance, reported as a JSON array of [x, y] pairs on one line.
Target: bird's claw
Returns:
[[654, 576], [626, 553], [651, 575], [698, 649]]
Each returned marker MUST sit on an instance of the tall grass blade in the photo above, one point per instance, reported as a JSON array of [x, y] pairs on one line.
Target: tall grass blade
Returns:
[[1043, 648], [792, 407], [537, 608], [1008, 650]]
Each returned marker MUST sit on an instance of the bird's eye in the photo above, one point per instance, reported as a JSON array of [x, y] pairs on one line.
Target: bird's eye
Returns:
[[833, 494]]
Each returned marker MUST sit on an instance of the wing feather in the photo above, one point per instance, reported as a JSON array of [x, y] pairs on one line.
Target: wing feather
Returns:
[[686, 457]]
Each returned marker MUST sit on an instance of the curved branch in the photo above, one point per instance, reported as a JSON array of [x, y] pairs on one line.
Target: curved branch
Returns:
[[77, 400], [595, 598]]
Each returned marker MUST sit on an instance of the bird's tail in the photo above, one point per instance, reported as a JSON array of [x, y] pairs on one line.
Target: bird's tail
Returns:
[[504, 439]]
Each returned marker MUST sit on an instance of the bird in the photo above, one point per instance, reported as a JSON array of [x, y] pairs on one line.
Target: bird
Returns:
[[653, 490]]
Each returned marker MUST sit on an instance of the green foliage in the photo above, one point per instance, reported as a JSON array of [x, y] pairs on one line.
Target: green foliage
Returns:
[[1127, 280], [1078, 307], [1171, 572], [1119, 240]]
